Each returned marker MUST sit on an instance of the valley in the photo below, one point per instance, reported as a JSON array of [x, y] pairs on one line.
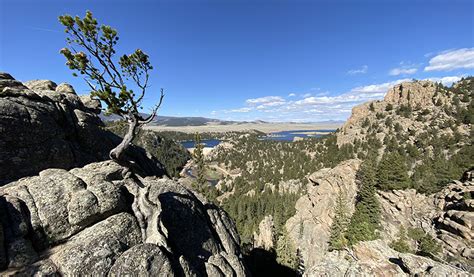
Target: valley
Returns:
[[396, 179], [265, 127], [237, 138]]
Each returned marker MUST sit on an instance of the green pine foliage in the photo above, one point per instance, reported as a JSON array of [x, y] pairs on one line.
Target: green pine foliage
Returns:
[[401, 244], [338, 240], [365, 222], [286, 251], [429, 247], [392, 172], [198, 158], [426, 245]]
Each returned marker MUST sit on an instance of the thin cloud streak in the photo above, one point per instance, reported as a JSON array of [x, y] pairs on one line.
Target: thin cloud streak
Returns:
[[452, 59]]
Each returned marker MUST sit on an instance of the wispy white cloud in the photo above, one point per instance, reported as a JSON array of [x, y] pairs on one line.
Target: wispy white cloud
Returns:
[[306, 95], [448, 80], [361, 70], [319, 107], [45, 30], [452, 59], [402, 71], [241, 110], [291, 95], [265, 100]]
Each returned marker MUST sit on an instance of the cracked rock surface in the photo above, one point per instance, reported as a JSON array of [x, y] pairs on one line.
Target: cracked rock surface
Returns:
[[92, 221], [43, 125]]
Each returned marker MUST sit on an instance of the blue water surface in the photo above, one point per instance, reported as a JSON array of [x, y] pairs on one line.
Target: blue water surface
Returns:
[[290, 135], [277, 136], [206, 142]]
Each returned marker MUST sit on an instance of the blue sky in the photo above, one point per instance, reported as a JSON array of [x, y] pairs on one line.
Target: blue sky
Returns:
[[246, 60]]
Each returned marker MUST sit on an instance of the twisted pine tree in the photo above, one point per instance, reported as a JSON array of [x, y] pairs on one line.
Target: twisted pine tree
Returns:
[[91, 53]]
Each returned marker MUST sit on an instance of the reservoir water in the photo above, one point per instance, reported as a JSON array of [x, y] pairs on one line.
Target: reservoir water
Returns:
[[277, 136], [206, 142], [290, 135]]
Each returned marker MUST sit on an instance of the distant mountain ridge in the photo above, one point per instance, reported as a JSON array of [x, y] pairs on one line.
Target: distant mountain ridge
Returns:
[[176, 121]]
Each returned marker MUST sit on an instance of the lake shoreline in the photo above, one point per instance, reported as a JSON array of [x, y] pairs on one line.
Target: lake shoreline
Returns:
[[262, 127]]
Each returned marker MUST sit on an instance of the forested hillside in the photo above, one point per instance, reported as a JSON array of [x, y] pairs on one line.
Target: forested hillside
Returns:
[[419, 137]]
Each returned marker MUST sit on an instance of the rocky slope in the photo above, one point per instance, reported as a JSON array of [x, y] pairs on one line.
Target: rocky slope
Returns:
[[44, 125], [92, 221], [447, 216], [455, 222], [310, 227], [376, 258], [416, 107]]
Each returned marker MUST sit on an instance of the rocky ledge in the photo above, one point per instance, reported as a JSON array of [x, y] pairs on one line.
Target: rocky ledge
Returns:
[[44, 125], [92, 221], [376, 258]]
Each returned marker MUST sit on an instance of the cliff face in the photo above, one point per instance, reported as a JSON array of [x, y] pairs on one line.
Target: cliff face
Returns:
[[92, 221], [430, 107], [447, 216], [455, 221], [48, 126], [310, 227]]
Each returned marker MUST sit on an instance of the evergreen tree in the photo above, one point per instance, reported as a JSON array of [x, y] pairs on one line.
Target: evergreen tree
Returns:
[[365, 221], [401, 244], [286, 252], [121, 85], [337, 240], [392, 172], [199, 160]]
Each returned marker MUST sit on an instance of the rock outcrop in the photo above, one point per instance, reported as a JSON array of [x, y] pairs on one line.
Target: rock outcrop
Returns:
[[47, 126], [310, 227], [427, 106], [446, 216], [405, 208], [419, 93], [92, 221], [455, 222], [265, 237], [376, 258]]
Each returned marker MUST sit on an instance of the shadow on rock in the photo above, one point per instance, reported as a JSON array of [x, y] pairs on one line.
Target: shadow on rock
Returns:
[[262, 262]]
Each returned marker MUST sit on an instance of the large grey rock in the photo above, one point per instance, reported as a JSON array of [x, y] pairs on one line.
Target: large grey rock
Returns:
[[42, 129], [92, 104], [455, 218], [93, 221], [65, 88], [61, 203], [310, 228], [405, 208], [94, 251], [41, 85], [264, 239], [143, 260], [376, 258]]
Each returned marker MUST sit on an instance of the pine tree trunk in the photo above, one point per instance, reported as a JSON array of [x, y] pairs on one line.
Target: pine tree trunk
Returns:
[[117, 153]]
